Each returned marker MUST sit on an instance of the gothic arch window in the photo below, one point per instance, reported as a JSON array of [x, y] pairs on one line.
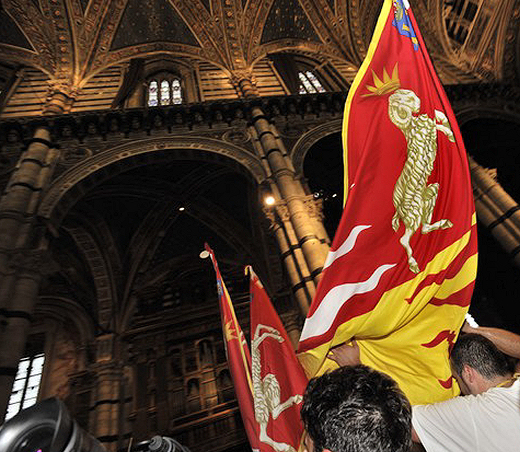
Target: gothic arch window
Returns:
[[305, 75], [164, 89], [309, 83], [28, 378]]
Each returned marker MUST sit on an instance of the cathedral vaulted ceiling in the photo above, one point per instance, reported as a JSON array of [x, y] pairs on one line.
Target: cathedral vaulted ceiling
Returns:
[[72, 40], [11, 34], [151, 21]]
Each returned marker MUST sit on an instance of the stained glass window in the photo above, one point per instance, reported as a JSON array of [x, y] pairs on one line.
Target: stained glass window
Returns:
[[165, 92], [309, 84], [26, 384], [305, 85], [153, 98], [176, 91], [315, 82]]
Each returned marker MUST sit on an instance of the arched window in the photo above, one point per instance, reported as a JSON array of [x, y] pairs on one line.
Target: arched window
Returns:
[[165, 93], [304, 75], [153, 94], [309, 84], [176, 91], [26, 384], [164, 89]]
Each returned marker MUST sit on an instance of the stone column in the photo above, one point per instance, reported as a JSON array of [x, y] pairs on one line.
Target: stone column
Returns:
[[109, 375], [292, 326], [291, 193], [496, 209], [302, 284], [22, 252]]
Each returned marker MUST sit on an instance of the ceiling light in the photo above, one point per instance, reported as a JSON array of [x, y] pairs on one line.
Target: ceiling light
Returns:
[[181, 209], [269, 200]]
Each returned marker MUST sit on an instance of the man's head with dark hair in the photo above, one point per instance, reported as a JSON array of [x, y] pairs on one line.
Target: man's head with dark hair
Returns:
[[475, 353], [356, 409]]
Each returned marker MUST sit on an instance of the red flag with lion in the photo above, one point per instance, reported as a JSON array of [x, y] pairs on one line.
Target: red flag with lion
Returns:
[[401, 270]]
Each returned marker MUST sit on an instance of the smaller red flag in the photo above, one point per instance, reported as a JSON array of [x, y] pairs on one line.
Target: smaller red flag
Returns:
[[279, 381], [238, 356]]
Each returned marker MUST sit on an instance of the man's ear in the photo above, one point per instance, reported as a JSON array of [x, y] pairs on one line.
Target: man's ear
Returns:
[[468, 373]]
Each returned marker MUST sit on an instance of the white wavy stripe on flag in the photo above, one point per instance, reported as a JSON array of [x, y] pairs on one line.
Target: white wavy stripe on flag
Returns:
[[323, 318], [346, 246]]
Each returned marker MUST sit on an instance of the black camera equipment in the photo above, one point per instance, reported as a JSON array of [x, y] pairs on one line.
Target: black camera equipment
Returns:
[[160, 444], [46, 427]]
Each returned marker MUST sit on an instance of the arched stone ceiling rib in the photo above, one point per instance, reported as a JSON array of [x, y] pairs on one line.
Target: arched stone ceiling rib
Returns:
[[96, 32], [11, 34], [101, 274], [39, 33], [304, 25], [188, 191], [133, 153]]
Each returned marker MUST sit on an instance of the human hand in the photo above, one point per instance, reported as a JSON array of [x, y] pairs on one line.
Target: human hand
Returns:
[[345, 355], [467, 328]]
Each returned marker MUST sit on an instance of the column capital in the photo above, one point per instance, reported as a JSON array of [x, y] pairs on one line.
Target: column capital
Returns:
[[314, 207], [277, 213], [61, 94], [244, 82]]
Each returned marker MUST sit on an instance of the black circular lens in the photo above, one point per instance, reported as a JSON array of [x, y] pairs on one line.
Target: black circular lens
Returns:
[[37, 440]]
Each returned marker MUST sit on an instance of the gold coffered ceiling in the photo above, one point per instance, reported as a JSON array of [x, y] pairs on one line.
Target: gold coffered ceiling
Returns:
[[72, 40]]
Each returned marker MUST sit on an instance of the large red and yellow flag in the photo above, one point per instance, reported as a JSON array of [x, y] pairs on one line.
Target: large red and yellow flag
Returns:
[[401, 270], [239, 358], [279, 381]]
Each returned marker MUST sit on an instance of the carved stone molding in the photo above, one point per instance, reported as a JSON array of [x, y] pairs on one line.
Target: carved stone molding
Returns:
[[63, 86], [307, 140], [314, 207], [240, 75], [105, 348], [197, 146]]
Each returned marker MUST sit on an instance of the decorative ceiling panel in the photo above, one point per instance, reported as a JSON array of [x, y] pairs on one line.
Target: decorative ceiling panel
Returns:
[[288, 20], [10, 33], [151, 21]]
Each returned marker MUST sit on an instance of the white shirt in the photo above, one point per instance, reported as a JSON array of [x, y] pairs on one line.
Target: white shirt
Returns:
[[488, 422]]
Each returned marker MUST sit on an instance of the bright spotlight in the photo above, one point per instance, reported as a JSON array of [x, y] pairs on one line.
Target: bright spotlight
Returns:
[[269, 200]]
